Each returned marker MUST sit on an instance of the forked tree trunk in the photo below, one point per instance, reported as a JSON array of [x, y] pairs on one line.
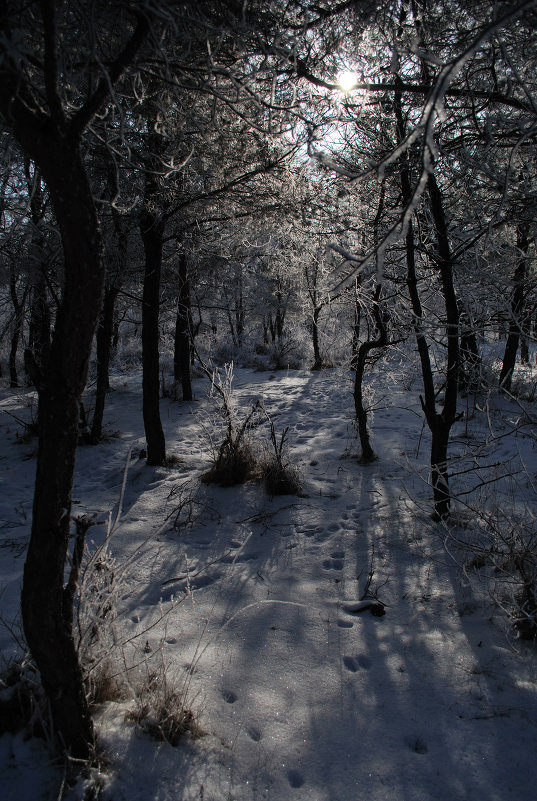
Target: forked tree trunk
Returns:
[[439, 423]]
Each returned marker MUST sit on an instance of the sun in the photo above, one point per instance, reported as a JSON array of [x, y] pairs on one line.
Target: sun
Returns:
[[347, 80]]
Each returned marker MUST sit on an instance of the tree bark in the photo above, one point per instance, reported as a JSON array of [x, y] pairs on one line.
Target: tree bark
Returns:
[[52, 139], [368, 454], [49, 638], [439, 422], [104, 349], [317, 359], [18, 318], [152, 231], [517, 307], [183, 337]]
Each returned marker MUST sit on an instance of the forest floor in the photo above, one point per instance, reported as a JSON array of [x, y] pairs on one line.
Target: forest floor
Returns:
[[245, 608]]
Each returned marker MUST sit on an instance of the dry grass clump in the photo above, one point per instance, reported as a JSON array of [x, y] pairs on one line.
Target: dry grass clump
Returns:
[[234, 464], [103, 685], [161, 712]]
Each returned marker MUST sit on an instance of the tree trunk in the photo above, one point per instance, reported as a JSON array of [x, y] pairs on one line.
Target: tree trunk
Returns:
[[152, 231], [39, 333], [280, 313], [317, 360], [182, 345], [517, 307], [104, 349], [368, 454], [41, 125], [18, 318], [356, 326], [439, 422], [43, 611]]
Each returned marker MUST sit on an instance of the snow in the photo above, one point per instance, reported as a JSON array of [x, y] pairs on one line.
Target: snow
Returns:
[[253, 610]]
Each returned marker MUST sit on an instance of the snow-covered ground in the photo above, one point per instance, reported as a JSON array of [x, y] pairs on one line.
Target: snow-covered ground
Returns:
[[247, 610]]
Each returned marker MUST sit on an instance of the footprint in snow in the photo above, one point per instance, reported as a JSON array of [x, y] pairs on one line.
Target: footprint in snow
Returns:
[[350, 663], [295, 778], [254, 734], [345, 624], [229, 697], [354, 663], [417, 745], [335, 562]]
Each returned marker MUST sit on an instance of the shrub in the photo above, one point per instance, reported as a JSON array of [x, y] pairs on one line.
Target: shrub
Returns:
[[161, 711], [234, 460], [279, 475]]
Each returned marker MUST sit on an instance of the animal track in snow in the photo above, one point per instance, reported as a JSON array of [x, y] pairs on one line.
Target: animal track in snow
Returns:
[[345, 624], [229, 697], [335, 562], [350, 663], [333, 528], [254, 734], [417, 745], [354, 663], [295, 778]]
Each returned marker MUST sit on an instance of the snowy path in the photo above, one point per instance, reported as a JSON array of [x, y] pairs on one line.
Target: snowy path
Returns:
[[301, 698]]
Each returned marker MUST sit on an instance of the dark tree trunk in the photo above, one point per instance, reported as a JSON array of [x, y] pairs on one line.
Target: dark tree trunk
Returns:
[[183, 341], [368, 454], [39, 334], [356, 327], [439, 423], [104, 350], [317, 360], [39, 328], [517, 308], [280, 313], [152, 225], [18, 318], [49, 638], [239, 309], [152, 231], [441, 427], [52, 139]]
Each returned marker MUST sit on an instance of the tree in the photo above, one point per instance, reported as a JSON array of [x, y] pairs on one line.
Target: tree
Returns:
[[43, 105]]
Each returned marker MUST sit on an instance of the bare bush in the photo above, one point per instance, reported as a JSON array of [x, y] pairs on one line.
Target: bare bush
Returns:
[[234, 460], [494, 538], [281, 477], [161, 709]]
